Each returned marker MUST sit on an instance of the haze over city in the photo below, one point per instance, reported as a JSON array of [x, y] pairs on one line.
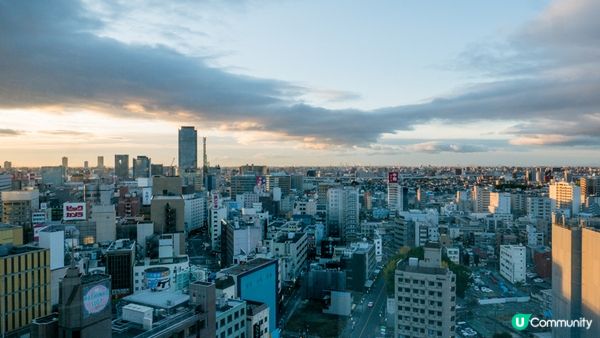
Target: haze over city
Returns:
[[302, 83]]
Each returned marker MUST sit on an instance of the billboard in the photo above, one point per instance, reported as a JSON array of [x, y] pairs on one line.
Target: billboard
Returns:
[[147, 195], [158, 278], [215, 200], [393, 177], [95, 299], [74, 211]]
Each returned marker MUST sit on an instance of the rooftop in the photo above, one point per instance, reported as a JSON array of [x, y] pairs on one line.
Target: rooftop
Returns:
[[404, 266], [248, 266], [10, 250], [4, 226], [158, 299]]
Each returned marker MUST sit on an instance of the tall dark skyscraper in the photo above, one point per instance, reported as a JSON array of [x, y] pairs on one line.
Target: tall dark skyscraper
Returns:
[[141, 166], [188, 149], [122, 166]]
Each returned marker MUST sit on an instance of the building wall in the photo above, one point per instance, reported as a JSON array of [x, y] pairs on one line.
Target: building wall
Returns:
[[260, 285], [566, 276], [590, 279], [24, 282]]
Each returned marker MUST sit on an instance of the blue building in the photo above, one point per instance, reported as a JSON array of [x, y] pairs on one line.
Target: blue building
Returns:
[[257, 280]]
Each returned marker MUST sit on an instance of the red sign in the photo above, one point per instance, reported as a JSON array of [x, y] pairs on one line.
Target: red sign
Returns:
[[73, 211], [393, 177]]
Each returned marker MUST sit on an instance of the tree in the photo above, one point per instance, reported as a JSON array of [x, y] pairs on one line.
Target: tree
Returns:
[[390, 268]]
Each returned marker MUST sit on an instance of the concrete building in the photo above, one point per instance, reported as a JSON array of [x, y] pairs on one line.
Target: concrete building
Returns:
[[242, 183], [11, 234], [167, 214], [480, 197], [239, 238], [188, 155], [217, 216], [122, 167], [565, 197], [53, 239], [120, 259], [100, 162], [257, 280], [106, 222], [161, 273], [575, 285], [52, 176], [343, 213], [17, 208], [166, 186], [425, 297], [230, 318], [397, 195], [292, 247], [513, 263], [500, 203], [141, 166], [24, 287], [539, 207], [589, 186], [194, 211], [257, 319]]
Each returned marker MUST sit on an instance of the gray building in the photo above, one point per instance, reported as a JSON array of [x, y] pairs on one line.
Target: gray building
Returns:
[[141, 166], [425, 297], [122, 166], [52, 175]]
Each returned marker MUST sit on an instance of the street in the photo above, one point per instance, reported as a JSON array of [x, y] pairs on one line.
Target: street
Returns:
[[366, 321]]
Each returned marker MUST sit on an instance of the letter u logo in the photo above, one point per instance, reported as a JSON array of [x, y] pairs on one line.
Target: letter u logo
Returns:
[[520, 321]]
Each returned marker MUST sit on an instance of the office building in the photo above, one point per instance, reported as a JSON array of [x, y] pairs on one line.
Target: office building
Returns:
[[141, 167], [216, 217], [512, 263], [343, 213], [53, 239], [539, 207], [105, 218], [257, 315], [166, 186], [565, 197], [120, 259], [243, 183], [239, 238], [257, 280], [52, 175], [100, 162], [397, 195], [500, 203], [167, 214], [7, 165], [425, 297], [480, 197], [122, 167], [188, 155], [194, 211], [17, 209], [156, 169], [11, 234], [24, 287], [252, 169], [230, 318], [575, 285]]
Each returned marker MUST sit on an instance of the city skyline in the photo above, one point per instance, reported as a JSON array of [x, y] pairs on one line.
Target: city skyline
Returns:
[[504, 88]]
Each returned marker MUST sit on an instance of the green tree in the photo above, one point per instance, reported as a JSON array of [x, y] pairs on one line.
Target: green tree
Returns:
[[502, 335], [390, 268]]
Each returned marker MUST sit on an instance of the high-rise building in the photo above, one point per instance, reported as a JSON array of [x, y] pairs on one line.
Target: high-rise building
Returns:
[[565, 197], [539, 207], [343, 209], [120, 259], [257, 280], [243, 183], [397, 194], [122, 166], [167, 214], [11, 234], [65, 162], [156, 169], [499, 203], [188, 155], [17, 208], [425, 297], [84, 304], [141, 166], [24, 287], [100, 164], [512, 263], [589, 186], [481, 199], [7, 165], [52, 175], [575, 284]]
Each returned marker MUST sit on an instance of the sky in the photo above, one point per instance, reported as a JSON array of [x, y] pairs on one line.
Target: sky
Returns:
[[302, 82]]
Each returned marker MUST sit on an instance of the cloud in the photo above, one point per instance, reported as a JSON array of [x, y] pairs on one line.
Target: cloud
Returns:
[[10, 132], [59, 59]]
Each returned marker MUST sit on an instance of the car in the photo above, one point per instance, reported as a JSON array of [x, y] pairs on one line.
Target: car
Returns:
[[538, 280], [370, 304], [476, 288]]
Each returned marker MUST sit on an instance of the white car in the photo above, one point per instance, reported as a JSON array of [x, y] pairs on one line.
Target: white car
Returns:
[[370, 304], [538, 280]]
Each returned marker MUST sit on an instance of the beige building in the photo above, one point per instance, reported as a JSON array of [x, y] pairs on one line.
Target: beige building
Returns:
[[167, 214], [575, 278], [11, 234], [565, 196], [425, 297], [17, 207], [24, 287]]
